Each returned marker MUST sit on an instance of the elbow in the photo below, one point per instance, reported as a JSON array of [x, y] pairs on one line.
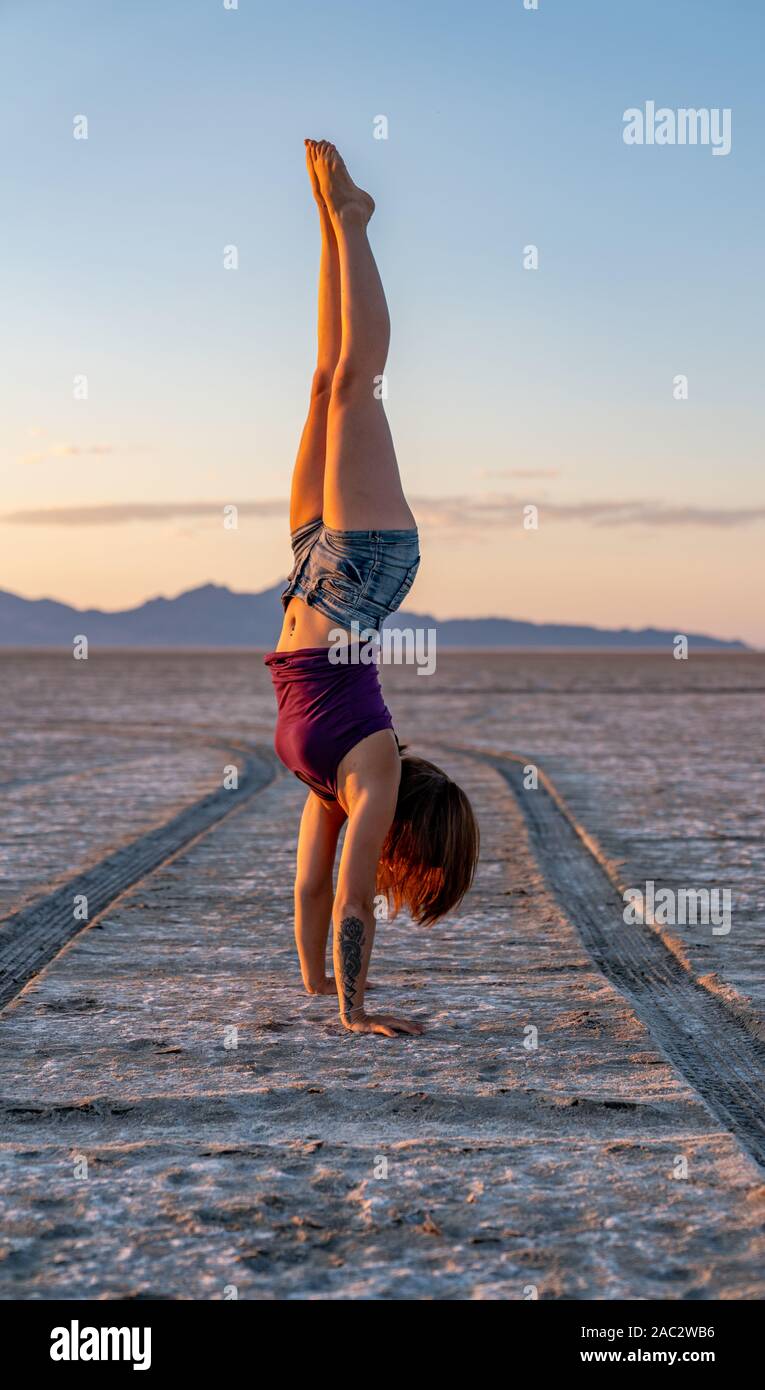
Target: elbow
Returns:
[[312, 892]]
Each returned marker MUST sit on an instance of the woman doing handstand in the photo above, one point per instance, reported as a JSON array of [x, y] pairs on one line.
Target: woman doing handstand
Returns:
[[411, 835]]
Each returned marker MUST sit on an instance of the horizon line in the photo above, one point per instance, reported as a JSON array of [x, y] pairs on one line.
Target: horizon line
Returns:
[[468, 618]]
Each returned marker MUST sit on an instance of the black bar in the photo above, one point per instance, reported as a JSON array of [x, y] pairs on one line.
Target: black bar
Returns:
[[218, 1336]]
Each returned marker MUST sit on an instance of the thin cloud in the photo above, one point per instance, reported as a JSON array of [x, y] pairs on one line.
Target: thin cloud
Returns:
[[49, 452], [473, 513], [65, 451], [520, 473], [464, 514], [122, 513]]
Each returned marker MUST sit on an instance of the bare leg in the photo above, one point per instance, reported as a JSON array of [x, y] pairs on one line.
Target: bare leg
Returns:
[[307, 495], [362, 487]]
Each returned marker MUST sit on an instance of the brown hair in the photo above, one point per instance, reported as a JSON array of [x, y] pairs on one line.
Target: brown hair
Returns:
[[431, 850]]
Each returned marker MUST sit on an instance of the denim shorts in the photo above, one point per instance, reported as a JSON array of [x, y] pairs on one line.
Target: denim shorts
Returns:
[[352, 576]]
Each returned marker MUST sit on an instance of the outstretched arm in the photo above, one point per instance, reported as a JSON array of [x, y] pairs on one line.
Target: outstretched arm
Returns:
[[372, 806], [320, 827]]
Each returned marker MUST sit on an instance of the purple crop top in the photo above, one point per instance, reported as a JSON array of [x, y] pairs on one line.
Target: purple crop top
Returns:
[[324, 711]]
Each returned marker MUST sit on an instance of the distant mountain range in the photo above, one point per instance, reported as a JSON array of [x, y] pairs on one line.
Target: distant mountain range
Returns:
[[214, 616]]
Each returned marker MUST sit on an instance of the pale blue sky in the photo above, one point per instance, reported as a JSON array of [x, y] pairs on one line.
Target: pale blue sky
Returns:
[[505, 129]]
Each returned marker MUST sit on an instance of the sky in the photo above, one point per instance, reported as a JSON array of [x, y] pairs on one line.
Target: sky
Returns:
[[507, 387]]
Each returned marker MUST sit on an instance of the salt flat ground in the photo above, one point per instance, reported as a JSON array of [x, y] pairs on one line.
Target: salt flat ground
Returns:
[[143, 1155]]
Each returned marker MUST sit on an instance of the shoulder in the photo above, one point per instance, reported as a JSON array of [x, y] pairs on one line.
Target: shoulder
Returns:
[[372, 768]]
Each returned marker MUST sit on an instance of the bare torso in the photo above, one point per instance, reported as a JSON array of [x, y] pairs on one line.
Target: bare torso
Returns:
[[304, 627]]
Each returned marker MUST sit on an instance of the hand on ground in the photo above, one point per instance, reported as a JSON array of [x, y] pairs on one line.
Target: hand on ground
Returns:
[[389, 1025]]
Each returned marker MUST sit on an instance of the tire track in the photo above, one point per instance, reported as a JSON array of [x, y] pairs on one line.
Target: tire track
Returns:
[[71, 774], [698, 1032], [31, 937]]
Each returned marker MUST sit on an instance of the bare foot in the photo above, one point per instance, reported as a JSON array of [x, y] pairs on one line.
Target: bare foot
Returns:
[[317, 193], [341, 195]]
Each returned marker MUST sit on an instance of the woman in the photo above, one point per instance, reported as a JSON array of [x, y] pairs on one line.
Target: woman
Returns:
[[411, 834]]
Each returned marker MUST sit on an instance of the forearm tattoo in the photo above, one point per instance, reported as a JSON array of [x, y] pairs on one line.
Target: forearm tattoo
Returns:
[[351, 941]]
